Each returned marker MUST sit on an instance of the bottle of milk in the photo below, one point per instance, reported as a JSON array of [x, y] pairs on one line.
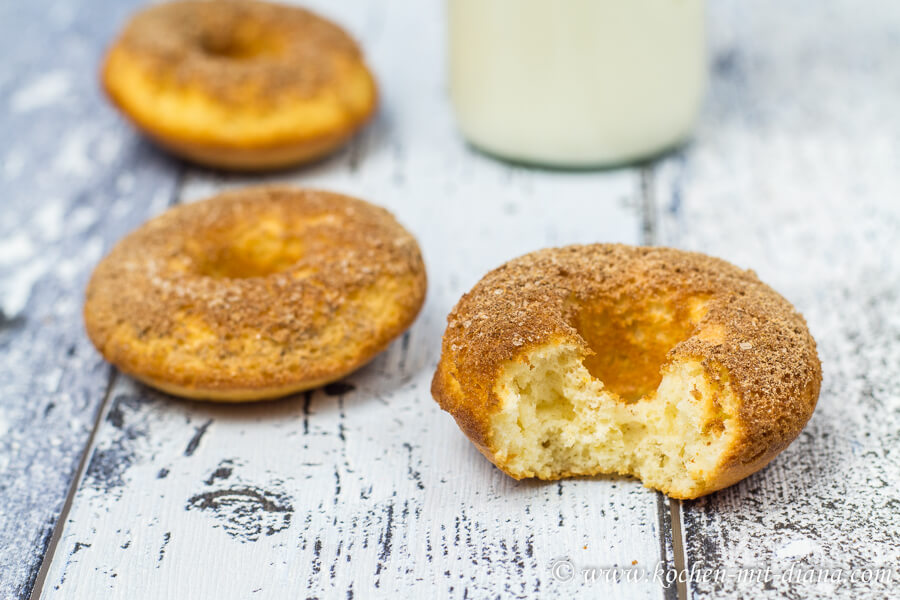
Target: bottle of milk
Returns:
[[576, 83]]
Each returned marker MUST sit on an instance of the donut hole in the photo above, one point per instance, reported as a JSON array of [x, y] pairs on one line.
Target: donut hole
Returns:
[[243, 42], [629, 344], [264, 249]]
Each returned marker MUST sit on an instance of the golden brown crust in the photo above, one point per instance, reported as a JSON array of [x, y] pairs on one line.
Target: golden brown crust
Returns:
[[750, 336], [240, 84], [255, 293], [262, 158]]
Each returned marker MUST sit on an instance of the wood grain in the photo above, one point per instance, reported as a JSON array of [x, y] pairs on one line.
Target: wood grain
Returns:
[[74, 179], [794, 174], [364, 488]]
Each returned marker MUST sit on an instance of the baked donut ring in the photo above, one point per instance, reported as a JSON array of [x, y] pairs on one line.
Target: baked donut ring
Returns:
[[671, 366], [255, 293], [239, 84]]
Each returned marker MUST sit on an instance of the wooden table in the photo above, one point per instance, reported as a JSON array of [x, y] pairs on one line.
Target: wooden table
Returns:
[[365, 488]]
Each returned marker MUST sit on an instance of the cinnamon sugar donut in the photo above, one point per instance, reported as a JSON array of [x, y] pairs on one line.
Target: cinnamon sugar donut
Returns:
[[239, 84], [671, 366], [255, 293]]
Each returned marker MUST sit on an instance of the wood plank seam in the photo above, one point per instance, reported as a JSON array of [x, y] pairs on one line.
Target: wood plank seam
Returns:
[[678, 548], [73, 488], [667, 547], [648, 207], [671, 521], [86, 453]]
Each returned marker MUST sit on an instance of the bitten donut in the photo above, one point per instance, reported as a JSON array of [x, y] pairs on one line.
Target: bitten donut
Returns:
[[674, 367], [255, 293], [239, 84]]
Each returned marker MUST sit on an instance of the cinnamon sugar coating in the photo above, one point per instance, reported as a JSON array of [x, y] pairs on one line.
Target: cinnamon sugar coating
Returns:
[[228, 47], [740, 329], [255, 293]]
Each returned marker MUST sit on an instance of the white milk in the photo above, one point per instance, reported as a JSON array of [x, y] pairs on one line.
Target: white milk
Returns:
[[576, 82]]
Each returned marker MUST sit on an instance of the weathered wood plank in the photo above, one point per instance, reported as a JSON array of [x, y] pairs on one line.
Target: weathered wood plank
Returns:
[[365, 488], [794, 174], [74, 179]]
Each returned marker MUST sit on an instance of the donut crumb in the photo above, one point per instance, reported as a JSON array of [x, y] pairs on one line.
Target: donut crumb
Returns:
[[557, 420]]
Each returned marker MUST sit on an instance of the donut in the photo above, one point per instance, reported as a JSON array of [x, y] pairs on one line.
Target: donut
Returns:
[[239, 84], [673, 367], [255, 293]]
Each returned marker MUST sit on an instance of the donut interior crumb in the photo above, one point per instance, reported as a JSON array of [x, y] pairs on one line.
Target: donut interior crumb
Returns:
[[557, 420]]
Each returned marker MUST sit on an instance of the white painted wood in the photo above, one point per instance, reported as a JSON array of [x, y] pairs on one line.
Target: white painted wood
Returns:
[[366, 489], [795, 174], [73, 179]]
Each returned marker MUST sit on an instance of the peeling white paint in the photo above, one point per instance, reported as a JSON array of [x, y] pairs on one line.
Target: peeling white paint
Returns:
[[16, 248], [16, 289], [41, 91], [73, 157], [109, 146], [49, 218], [796, 548], [80, 219]]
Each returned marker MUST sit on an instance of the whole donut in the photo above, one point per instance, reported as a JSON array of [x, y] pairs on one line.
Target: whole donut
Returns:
[[671, 366], [239, 84], [255, 293]]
